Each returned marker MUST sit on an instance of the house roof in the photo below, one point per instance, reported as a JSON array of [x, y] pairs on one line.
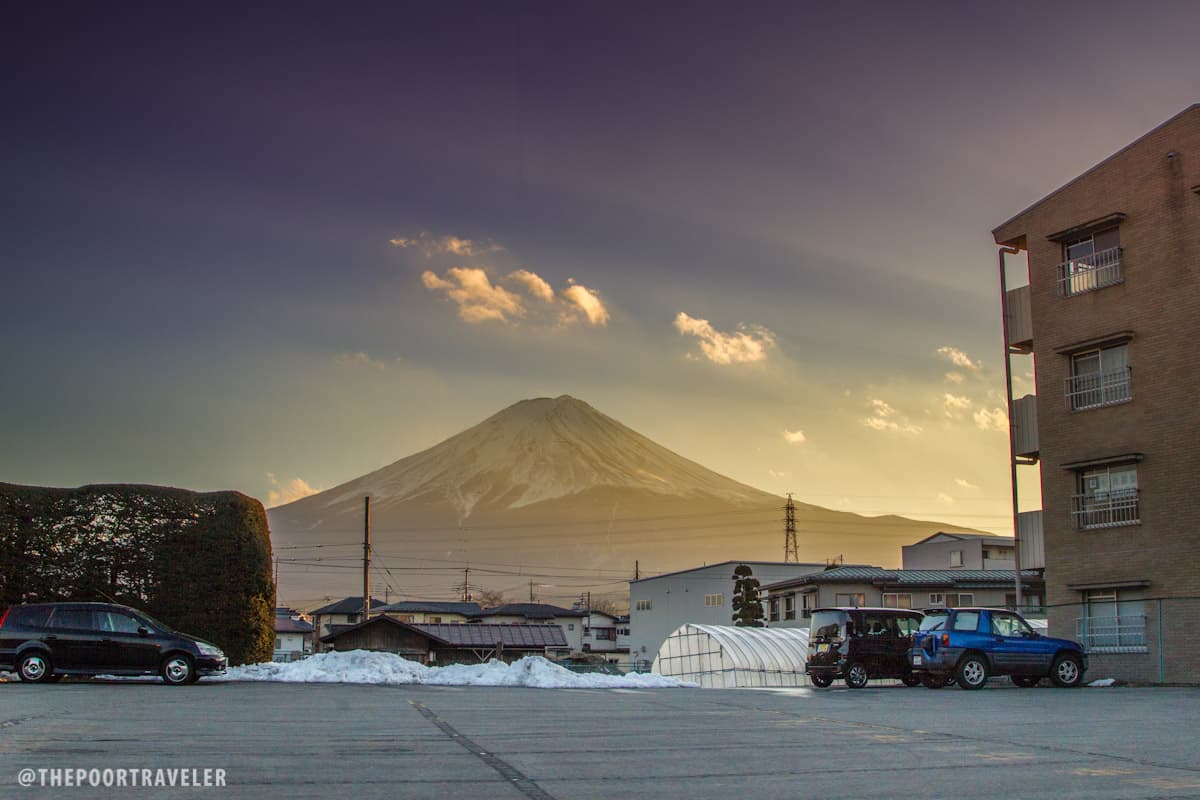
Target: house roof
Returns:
[[289, 625], [431, 607], [532, 611], [471, 635], [348, 605], [956, 536], [964, 578], [730, 565], [487, 635]]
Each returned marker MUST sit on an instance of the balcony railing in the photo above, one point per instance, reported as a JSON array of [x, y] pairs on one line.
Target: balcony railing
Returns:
[[1106, 509], [1106, 634], [1096, 389], [1090, 273]]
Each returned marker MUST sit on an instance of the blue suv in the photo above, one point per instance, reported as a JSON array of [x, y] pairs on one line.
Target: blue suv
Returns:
[[969, 645]]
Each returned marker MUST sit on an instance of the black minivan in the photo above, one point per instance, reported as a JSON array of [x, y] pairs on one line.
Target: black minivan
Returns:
[[44, 641], [858, 644]]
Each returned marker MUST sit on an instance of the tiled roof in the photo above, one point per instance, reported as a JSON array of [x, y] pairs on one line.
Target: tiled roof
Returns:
[[532, 611], [348, 605], [431, 606], [486, 635], [289, 625], [908, 577]]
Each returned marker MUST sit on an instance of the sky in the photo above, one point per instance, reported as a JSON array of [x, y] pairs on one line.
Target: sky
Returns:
[[271, 247]]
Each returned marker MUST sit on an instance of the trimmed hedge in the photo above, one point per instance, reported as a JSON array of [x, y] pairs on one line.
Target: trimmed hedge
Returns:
[[199, 562]]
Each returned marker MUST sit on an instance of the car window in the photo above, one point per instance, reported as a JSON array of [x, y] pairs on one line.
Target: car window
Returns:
[[906, 626], [934, 621], [118, 622], [30, 617], [874, 625], [1009, 625], [966, 621], [79, 619]]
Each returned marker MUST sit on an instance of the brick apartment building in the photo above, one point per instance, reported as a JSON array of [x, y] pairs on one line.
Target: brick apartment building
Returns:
[[1111, 316]]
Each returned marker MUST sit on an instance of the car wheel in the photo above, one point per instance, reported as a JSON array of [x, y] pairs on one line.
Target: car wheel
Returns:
[[910, 680], [856, 675], [1067, 671], [933, 681], [34, 668], [972, 672], [1025, 681], [821, 681], [177, 670]]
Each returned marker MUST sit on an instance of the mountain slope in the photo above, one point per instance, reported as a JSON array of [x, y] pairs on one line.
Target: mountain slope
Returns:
[[564, 491]]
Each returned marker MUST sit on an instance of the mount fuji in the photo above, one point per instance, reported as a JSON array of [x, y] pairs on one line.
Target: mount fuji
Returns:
[[553, 493]]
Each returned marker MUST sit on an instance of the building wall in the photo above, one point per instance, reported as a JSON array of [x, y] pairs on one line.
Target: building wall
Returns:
[[1159, 301], [679, 598], [386, 638], [936, 555], [291, 642], [827, 595]]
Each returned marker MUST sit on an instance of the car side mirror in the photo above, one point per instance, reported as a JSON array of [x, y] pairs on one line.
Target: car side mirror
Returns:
[[143, 631]]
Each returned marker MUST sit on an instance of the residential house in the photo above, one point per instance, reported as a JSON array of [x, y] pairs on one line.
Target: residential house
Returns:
[[600, 635], [790, 602], [433, 612], [293, 636], [449, 643], [658, 605], [1110, 316], [347, 611], [960, 551]]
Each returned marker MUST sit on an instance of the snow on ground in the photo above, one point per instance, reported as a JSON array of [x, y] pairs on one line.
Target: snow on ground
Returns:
[[362, 666], [1104, 682]]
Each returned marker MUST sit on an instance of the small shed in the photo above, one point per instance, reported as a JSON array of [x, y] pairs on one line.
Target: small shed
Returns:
[[453, 643], [729, 657]]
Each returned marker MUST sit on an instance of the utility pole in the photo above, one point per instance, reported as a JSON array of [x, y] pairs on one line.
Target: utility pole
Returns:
[[790, 554], [277, 580], [466, 585], [531, 591], [366, 558], [1012, 428], [637, 571]]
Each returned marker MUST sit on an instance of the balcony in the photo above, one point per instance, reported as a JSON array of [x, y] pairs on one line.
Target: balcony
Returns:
[[1096, 389], [1106, 509], [1089, 273], [1112, 634], [1025, 428], [1033, 546], [1020, 319]]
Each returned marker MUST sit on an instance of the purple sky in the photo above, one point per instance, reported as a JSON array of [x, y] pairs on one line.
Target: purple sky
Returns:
[[215, 273]]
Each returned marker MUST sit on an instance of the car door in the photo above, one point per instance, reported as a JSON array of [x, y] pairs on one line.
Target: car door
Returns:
[[1015, 650], [121, 647], [71, 636]]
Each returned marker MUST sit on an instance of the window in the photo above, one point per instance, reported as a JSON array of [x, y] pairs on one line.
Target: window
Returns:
[[642, 605], [408, 618], [116, 622], [956, 558], [774, 610], [854, 599], [73, 618], [1114, 621], [1107, 498], [806, 605], [966, 621], [789, 606], [892, 600], [1010, 625], [278, 643], [1090, 263], [963, 599], [937, 599], [1100, 377], [570, 626], [712, 600], [434, 620]]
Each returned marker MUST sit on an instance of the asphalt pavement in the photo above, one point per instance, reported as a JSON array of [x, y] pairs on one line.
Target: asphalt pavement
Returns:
[[365, 742]]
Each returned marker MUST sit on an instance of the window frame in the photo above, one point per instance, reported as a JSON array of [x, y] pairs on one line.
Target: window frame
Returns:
[[1106, 385], [1113, 508]]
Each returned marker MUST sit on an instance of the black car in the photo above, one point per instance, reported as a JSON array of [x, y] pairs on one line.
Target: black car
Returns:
[[44, 641], [858, 644]]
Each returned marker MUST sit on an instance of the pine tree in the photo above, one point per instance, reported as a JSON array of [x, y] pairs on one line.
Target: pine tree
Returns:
[[747, 607]]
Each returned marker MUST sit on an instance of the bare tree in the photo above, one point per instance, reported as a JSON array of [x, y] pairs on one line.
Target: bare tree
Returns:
[[489, 598]]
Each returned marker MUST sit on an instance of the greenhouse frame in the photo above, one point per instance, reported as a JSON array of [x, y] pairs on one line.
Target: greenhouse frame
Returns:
[[728, 657]]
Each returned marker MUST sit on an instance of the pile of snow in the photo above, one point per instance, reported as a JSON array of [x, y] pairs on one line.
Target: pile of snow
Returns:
[[362, 666], [1104, 682], [6, 677]]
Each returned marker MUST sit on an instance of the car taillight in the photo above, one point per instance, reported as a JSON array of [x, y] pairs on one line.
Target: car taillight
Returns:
[[4, 616], [945, 640]]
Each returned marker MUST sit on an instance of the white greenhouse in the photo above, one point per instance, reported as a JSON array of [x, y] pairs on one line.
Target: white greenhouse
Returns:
[[727, 657]]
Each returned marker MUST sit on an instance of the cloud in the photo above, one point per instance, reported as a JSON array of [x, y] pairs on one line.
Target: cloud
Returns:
[[955, 377], [431, 245], [362, 360], [994, 420], [775, 474], [794, 437], [749, 344], [477, 299], [965, 484], [955, 405], [587, 302], [534, 283], [885, 419], [945, 499], [287, 491], [958, 358]]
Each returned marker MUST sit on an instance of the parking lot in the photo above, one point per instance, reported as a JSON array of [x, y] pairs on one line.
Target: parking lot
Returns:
[[309, 741]]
